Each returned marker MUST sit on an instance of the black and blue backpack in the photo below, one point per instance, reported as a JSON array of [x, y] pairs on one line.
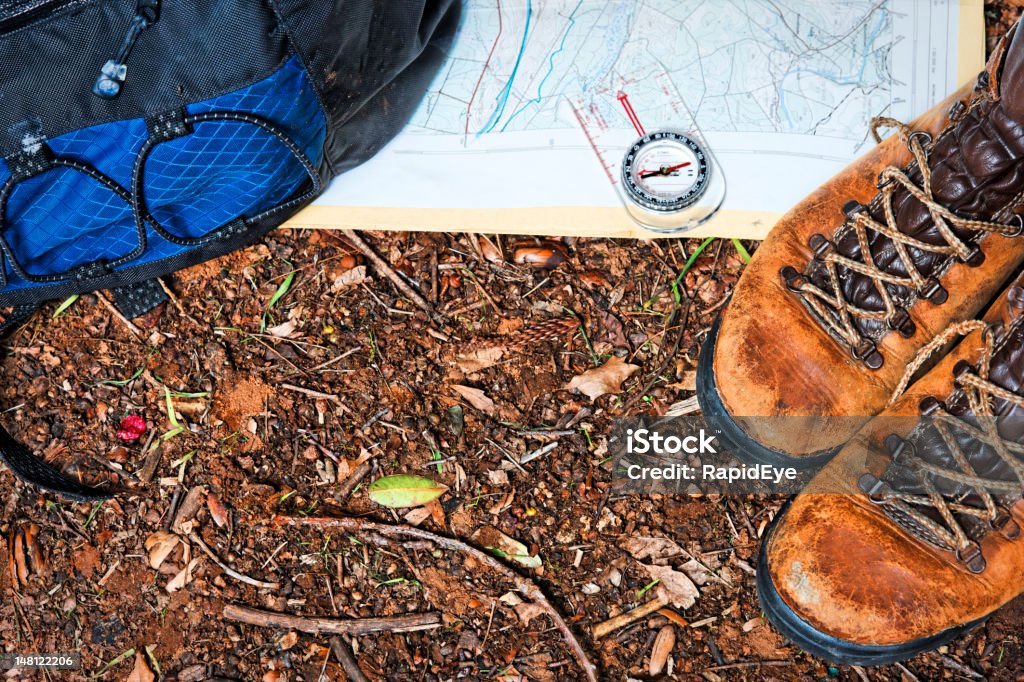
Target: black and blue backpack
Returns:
[[139, 137]]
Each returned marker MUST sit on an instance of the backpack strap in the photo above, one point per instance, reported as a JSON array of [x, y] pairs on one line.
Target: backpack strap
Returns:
[[35, 471]]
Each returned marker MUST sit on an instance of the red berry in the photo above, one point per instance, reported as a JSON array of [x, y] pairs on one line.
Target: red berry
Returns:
[[131, 429]]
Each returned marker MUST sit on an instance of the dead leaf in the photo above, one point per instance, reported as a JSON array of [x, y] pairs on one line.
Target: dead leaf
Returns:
[[480, 359], [160, 545], [663, 645], [141, 671], [183, 578], [510, 599], [437, 513], [19, 562], [356, 275], [36, 557], [674, 587], [218, 512], [527, 611], [188, 509], [476, 398], [288, 640], [489, 250], [656, 549], [417, 516], [497, 542], [284, 330], [615, 334], [607, 378], [498, 477]]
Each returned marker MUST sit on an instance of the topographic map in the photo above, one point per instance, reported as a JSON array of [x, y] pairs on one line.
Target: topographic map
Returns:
[[798, 67], [782, 90]]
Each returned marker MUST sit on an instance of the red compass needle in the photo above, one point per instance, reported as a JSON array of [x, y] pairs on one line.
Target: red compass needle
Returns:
[[662, 171]]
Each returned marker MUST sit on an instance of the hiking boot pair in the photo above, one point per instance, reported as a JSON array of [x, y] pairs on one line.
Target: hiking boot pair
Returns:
[[915, 535]]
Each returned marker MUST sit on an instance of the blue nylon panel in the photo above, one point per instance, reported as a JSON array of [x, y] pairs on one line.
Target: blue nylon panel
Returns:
[[223, 170]]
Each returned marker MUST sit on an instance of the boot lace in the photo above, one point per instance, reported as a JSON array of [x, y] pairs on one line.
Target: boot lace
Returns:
[[980, 424], [831, 306]]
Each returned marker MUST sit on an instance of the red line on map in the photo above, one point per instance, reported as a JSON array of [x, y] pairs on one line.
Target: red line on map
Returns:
[[633, 118], [469, 107]]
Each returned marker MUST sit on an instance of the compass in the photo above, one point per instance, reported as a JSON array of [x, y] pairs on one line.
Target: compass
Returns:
[[665, 171]]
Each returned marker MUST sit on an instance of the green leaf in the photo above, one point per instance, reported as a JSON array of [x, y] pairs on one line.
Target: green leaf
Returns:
[[282, 289], [68, 302], [744, 254], [405, 490]]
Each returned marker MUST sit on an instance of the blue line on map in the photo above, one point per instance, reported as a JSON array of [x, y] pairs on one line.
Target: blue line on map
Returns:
[[551, 68], [502, 98], [835, 78]]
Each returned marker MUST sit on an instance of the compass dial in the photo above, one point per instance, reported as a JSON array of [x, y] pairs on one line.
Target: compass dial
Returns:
[[665, 171]]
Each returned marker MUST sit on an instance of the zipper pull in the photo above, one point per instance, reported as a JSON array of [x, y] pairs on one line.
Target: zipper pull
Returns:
[[112, 75]]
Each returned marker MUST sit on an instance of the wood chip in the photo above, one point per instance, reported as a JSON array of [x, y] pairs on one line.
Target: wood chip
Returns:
[[612, 624], [662, 649]]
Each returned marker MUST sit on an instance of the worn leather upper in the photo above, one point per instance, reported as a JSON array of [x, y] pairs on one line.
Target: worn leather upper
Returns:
[[773, 356], [846, 567]]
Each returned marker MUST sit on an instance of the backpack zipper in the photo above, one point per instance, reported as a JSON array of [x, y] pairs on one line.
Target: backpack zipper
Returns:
[[18, 13], [112, 75]]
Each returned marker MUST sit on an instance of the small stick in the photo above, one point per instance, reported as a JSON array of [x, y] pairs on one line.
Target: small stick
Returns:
[[136, 332], [316, 625], [152, 460], [350, 483], [194, 537], [343, 653], [622, 620], [383, 268], [539, 452], [524, 585], [748, 664], [313, 394]]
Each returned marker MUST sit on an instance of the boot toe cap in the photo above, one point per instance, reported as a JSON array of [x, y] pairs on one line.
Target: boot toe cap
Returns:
[[849, 573]]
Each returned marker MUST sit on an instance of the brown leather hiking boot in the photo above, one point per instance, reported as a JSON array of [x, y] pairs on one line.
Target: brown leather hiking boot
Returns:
[[921, 231], [924, 542]]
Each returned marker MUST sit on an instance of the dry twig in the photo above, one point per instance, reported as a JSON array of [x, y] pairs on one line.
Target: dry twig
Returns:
[[344, 655], [194, 537], [316, 625], [381, 266], [624, 619], [523, 585]]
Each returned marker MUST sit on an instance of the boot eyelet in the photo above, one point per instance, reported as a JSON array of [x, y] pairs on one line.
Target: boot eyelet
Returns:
[[820, 245], [793, 279], [972, 558], [983, 81], [957, 111], [933, 291], [900, 321], [924, 137], [994, 332], [866, 352], [1005, 525], [897, 446], [961, 369], [875, 488], [974, 258], [852, 208], [1018, 229], [929, 406], [1015, 298]]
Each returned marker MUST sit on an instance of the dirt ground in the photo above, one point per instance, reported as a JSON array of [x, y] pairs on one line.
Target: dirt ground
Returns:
[[282, 372]]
